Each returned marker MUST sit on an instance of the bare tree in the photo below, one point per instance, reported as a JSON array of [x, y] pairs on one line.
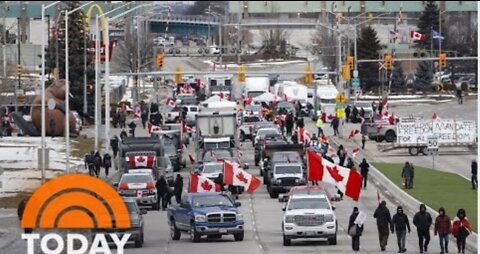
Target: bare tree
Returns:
[[323, 44], [272, 41], [126, 53]]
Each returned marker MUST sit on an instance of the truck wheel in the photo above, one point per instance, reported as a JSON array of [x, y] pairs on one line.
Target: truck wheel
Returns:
[[194, 236], [272, 193], [286, 241], [424, 151], [238, 237], [379, 139], [390, 136], [174, 231], [242, 136], [333, 240], [413, 151], [139, 242]]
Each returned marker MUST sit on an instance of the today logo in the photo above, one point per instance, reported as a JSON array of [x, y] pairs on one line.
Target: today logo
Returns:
[[74, 202]]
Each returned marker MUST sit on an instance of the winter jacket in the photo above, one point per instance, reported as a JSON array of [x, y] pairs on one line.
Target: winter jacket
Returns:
[[422, 220], [407, 171], [178, 186], [364, 168], [461, 228], [474, 168], [161, 186], [351, 223], [443, 225], [382, 214], [400, 223]]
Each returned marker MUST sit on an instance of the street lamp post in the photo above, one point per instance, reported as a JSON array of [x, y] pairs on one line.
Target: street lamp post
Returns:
[[67, 88], [43, 125]]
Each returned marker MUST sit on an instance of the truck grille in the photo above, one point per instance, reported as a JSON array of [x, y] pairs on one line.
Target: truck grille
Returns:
[[309, 220], [221, 217], [288, 181]]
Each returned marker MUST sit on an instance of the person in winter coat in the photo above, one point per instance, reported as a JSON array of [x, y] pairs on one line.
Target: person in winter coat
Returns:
[[407, 175], [107, 163], [354, 114], [132, 127], [300, 123], [359, 229], [422, 220], [89, 163], [364, 167], [474, 174], [364, 139], [178, 188], [350, 163], [461, 229], [443, 227], [342, 155], [20, 211], [144, 116], [335, 124], [162, 191], [289, 124], [114, 145], [319, 125], [97, 162], [348, 110], [400, 225], [123, 134], [384, 220]]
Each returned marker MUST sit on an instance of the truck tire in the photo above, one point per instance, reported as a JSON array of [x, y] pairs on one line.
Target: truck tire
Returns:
[[379, 139], [424, 151], [333, 240], [174, 231], [413, 151], [286, 241], [390, 136], [272, 193], [238, 237], [139, 242], [194, 236]]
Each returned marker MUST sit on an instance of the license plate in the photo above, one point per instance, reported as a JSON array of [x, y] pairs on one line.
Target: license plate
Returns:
[[139, 194], [310, 233], [222, 230]]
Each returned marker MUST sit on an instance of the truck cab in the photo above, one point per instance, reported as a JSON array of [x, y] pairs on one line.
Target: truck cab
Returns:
[[207, 213], [283, 176]]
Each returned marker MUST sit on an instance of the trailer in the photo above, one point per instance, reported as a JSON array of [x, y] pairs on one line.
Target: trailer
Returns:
[[413, 135]]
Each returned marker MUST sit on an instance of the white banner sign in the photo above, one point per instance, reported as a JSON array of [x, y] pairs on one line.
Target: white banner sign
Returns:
[[447, 131]]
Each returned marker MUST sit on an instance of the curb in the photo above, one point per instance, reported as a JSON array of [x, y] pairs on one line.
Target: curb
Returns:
[[388, 188]]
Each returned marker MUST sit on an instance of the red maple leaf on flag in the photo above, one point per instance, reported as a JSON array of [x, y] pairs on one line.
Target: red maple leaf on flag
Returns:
[[334, 173], [141, 159], [206, 185], [241, 178]]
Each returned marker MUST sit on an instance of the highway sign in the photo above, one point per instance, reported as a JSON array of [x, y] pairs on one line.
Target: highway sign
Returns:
[[356, 82]]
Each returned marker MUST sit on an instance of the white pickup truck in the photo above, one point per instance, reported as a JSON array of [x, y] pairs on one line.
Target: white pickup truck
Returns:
[[247, 122]]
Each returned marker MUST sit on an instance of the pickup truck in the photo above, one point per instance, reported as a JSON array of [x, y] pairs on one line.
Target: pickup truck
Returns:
[[246, 127], [285, 176], [207, 213]]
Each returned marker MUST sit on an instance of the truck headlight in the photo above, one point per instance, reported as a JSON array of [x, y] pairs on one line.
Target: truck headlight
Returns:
[[297, 180], [200, 218], [239, 217], [329, 218], [278, 181], [289, 219]]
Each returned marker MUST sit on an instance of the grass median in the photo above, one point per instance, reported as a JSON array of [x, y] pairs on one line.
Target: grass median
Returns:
[[437, 189]]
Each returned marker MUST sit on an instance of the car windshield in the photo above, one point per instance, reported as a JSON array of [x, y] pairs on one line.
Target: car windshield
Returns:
[[213, 155], [308, 203], [251, 119], [288, 169], [264, 132], [143, 178], [211, 200], [254, 94], [213, 168]]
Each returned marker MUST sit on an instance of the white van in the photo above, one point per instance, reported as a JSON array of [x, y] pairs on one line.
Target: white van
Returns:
[[256, 86]]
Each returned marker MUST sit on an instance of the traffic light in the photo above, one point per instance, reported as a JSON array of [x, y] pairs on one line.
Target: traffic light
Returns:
[[308, 75], [160, 58], [19, 70], [241, 73], [350, 62], [346, 72], [178, 75], [388, 62], [442, 59]]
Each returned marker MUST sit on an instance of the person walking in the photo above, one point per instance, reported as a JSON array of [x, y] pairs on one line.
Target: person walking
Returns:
[[289, 123], [107, 163], [474, 174], [400, 225], [350, 163], [422, 220], [384, 220], [162, 186], [443, 227], [319, 127], [355, 230], [334, 124], [461, 228], [20, 211], [354, 114], [144, 115], [132, 127], [459, 95], [364, 139], [407, 172], [348, 110], [364, 168], [342, 155], [89, 163], [97, 162], [178, 188], [114, 145]]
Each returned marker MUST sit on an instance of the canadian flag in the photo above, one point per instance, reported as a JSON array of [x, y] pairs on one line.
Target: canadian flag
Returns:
[[353, 133], [171, 103], [346, 180], [138, 112], [435, 116], [234, 175], [153, 128], [190, 156], [250, 101], [415, 36], [184, 127], [301, 135], [202, 184], [355, 151], [141, 161]]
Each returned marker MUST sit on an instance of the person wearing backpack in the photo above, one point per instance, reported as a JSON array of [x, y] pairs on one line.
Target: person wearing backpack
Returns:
[[107, 163], [355, 230]]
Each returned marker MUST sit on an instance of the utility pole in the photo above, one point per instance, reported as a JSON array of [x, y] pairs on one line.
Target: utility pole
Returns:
[[57, 52], [5, 39], [19, 38], [85, 108], [239, 17]]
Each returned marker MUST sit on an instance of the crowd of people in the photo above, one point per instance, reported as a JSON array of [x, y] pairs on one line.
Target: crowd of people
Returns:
[[94, 162]]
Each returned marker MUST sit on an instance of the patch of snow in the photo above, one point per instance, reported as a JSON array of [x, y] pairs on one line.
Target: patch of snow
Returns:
[[260, 64]]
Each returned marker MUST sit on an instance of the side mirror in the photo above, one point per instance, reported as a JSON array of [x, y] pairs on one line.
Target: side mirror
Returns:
[[238, 204], [115, 185], [143, 211], [246, 166]]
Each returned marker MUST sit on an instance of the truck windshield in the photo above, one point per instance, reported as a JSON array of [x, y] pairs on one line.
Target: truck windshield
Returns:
[[251, 119], [170, 145], [209, 146], [254, 94], [308, 203], [288, 170], [212, 168], [215, 200]]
